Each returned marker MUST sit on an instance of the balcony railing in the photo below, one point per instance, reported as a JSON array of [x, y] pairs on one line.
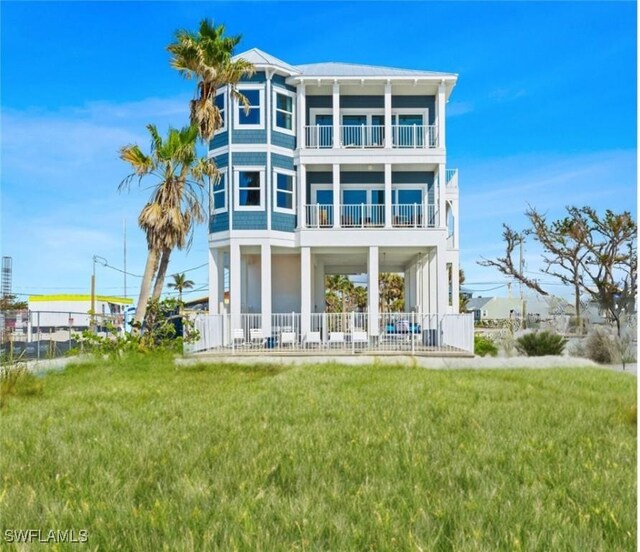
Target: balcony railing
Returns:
[[413, 215], [371, 136]]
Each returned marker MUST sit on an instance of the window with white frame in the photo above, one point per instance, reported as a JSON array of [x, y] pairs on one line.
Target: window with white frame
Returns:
[[249, 189], [283, 113], [221, 104], [219, 192], [284, 200], [251, 116]]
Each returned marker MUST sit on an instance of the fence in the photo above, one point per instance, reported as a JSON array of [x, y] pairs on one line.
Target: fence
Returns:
[[49, 334], [347, 332]]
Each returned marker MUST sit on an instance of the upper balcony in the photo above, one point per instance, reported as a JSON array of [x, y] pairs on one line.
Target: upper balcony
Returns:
[[370, 137]]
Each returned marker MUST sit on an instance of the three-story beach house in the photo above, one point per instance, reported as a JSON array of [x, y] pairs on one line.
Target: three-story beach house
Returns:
[[334, 168]]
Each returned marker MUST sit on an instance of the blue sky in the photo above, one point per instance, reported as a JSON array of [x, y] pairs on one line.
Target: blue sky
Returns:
[[544, 113]]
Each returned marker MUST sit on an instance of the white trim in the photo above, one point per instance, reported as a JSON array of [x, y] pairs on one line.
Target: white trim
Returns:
[[237, 107], [251, 148], [274, 185], [292, 95], [224, 172], [236, 188]]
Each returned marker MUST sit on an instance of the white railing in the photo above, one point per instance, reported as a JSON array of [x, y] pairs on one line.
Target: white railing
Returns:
[[318, 216], [361, 216], [450, 174], [319, 136], [413, 215], [415, 136], [362, 136], [342, 332]]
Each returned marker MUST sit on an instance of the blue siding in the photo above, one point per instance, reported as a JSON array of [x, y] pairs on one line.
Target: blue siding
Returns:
[[369, 102], [283, 222], [249, 158], [282, 161], [324, 177], [317, 102], [412, 177], [258, 76], [221, 160], [278, 81], [421, 102], [249, 220], [283, 140], [256, 136], [361, 177], [219, 222], [219, 140]]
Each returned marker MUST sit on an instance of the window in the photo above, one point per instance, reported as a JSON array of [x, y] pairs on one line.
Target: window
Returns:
[[249, 189], [219, 193], [253, 116], [221, 104], [284, 112], [284, 191]]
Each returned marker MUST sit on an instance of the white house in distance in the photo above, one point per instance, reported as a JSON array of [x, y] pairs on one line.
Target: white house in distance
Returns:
[[334, 169]]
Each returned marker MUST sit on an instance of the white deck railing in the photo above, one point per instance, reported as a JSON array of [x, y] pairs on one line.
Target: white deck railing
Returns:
[[371, 136], [351, 332], [414, 215]]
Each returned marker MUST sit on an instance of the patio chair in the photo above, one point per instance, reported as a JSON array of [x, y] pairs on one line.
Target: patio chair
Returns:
[[336, 338], [237, 336], [256, 336], [288, 338], [313, 338], [360, 337]]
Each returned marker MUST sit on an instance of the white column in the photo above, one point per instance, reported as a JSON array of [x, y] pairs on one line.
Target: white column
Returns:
[[455, 286], [265, 288], [336, 196], [302, 195], [302, 116], [373, 289], [408, 288], [336, 115], [441, 118], [318, 288], [235, 288], [425, 283], [387, 195], [455, 209], [388, 142], [433, 281], [441, 205], [442, 280], [215, 260], [305, 290]]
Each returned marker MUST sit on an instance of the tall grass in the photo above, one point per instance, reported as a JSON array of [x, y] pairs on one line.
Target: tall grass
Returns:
[[146, 456]]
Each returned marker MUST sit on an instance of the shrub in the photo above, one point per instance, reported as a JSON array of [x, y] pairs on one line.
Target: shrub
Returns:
[[598, 346], [541, 344], [483, 346]]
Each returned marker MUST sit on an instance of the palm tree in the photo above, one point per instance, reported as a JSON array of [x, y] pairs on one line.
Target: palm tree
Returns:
[[176, 201], [207, 56], [180, 283], [342, 287], [391, 292]]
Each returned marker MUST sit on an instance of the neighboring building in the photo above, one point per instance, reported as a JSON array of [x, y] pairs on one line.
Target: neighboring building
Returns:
[[502, 308], [335, 168], [51, 312]]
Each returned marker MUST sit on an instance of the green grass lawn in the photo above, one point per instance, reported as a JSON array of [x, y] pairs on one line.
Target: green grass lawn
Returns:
[[146, 456]]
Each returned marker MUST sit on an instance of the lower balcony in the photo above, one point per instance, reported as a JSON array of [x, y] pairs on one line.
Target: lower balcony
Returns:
[[371, 136], [370, 216]]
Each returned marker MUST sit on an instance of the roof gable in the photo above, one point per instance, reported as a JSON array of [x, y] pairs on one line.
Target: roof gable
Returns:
[[259, 58]]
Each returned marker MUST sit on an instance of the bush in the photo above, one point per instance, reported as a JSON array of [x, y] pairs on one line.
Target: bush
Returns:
[[16, 380], [541, 344], [483, 346], [598, 346]]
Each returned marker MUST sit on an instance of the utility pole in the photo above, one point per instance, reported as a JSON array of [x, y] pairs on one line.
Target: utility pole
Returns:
[[522, 301], [124, 221]]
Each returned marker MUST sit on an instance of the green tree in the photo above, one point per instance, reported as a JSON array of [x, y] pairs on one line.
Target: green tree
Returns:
[[342, 287], [176, 200], [180, 283], [391, 292], [206, 56], [11, 303], [464, 299]]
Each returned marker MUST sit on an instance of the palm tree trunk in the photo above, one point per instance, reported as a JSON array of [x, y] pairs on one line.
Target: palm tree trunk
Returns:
[[162, 272], [145, 288]]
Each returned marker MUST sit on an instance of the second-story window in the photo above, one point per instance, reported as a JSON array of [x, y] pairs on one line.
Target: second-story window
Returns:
[[221, 104], [249, 189], [253, 115], [284, 191], [284, 112], [219, 193]]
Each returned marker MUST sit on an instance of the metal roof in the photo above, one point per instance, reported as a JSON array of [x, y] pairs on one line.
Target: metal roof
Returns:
[[478, 302], [333, 69], [260, 58]]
